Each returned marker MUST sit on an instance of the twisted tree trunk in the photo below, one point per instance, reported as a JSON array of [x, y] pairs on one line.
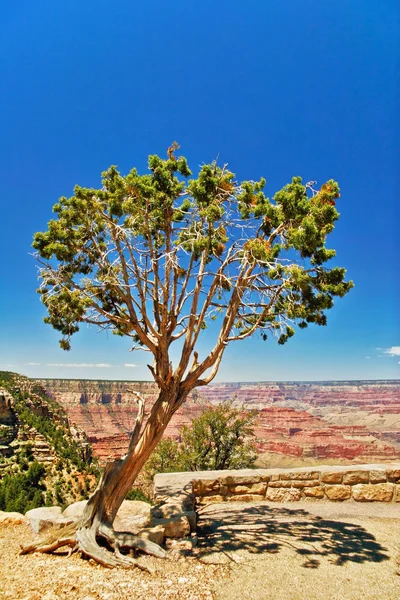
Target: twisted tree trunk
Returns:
[[117, 479]]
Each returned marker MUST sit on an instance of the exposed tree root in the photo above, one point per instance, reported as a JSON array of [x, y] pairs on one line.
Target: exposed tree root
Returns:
[[85, 540]]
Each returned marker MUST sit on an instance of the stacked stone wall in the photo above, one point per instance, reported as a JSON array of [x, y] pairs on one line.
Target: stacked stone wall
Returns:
[[177, 494], [360, 484]]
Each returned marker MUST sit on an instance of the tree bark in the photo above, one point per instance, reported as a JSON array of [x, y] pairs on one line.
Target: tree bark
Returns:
[[117, 479]]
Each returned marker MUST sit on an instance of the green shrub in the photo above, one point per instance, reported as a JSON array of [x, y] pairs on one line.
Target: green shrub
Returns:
[[220, 438], [22, 491], [137, 494]]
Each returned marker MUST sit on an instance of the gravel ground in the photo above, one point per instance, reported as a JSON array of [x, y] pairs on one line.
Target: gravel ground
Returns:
[[303, 550], [306, 551], [50, 577]]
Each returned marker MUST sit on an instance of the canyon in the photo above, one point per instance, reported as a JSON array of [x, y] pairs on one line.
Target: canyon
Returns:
[[297, 422]]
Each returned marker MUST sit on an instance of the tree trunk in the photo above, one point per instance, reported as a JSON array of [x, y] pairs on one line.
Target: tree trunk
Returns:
[[117, 479]]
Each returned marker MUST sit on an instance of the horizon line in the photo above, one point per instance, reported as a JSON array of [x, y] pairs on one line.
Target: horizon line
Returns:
[[259, 381]]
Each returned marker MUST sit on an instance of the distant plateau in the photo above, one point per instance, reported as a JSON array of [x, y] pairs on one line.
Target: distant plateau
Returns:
[[298, 422]]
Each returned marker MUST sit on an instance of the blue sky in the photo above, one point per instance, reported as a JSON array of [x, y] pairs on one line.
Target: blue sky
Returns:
[[276, 88]]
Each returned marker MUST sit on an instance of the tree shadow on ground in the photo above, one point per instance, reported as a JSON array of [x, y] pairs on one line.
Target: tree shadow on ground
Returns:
[[264, 529]]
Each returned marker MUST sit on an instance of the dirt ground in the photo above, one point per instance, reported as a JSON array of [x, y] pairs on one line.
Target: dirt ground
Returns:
[[301, 551]]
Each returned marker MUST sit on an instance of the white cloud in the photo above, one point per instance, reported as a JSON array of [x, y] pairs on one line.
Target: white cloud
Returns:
[[367, 357], [32, 364], [78, 365], [129, 365], [393, 351]]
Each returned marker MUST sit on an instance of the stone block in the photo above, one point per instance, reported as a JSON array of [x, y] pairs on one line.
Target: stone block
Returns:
[[300, 475], [211, 499], [337, 492], [256, 488], [293, 483], [332, 477], [393, 475], [380, 492], [246, 498], [377, 476], [240, 479], [314, 492], [265, 478], [274, 477], [203, 487], [223, 490], [280, 484], [304, 484], [397, 493], [283, 494], [354, 477], [187, 501]]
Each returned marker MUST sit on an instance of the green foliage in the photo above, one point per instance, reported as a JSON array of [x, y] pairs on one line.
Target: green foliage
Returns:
[[209, 219], [137, 494], [25, 487], [165, 459], [23, 491], [220, 438]]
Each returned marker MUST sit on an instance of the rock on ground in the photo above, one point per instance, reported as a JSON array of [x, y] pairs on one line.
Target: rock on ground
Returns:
[[11, 518]]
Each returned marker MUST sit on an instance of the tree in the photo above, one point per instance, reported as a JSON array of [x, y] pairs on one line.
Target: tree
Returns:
[[219, 438], [166, 458], [158, 257]]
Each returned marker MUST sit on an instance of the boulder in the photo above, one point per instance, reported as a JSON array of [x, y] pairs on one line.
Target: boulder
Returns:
[[380, 492], [167, 511], [338, 492], [44, 518], [153, 534], [11, 518], [182, 547], [132, 516], [174, 527], [75, 510]]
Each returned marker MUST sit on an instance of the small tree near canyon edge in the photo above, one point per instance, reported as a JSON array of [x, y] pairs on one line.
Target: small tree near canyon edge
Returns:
[[219, 438], [160, 257]]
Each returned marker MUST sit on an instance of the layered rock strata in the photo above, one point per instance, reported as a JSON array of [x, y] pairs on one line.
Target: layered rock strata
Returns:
[[335, 421]]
